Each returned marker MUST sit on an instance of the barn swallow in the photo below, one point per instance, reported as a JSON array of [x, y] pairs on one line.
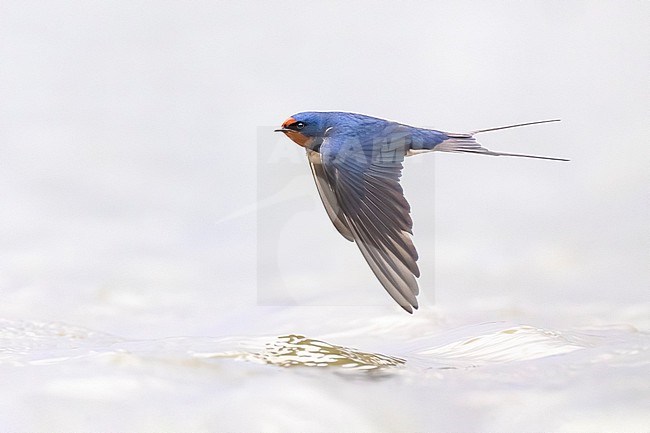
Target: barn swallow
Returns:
[[356, 161]]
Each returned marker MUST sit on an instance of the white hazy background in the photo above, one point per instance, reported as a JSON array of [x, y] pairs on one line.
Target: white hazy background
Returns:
[[133, 135]]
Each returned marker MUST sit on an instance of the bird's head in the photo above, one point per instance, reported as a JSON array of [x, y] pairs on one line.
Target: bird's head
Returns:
[[304, 128]]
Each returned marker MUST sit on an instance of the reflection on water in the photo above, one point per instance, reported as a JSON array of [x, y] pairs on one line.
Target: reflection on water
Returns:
[[44, 343], [297, 350], [216, 381], [300, 351]]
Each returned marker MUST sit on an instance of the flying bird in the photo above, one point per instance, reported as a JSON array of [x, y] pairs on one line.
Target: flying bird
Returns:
[[356, 161]]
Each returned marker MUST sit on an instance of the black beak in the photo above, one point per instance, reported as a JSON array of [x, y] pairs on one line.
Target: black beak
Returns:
[[282, 130]]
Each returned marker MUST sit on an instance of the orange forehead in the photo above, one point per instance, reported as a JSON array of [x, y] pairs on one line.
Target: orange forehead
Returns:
[[288, 122]]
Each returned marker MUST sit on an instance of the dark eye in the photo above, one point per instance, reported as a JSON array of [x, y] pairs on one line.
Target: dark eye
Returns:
[[300, 125]]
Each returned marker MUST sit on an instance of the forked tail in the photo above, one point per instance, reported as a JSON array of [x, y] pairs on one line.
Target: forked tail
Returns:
[[466, 143]]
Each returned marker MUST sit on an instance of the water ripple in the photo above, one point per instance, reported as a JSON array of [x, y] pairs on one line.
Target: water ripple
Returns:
[[300, 351]]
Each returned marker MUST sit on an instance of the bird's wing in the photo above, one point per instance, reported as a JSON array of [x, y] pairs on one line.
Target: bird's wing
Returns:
[[361, 183], [328, 195]]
